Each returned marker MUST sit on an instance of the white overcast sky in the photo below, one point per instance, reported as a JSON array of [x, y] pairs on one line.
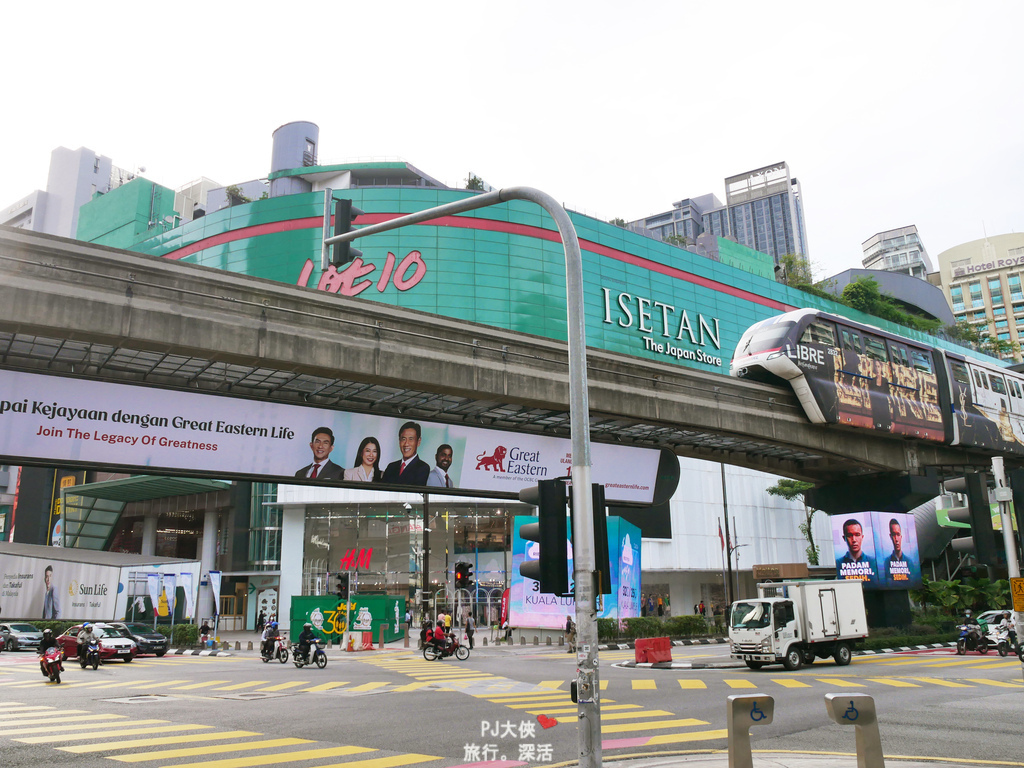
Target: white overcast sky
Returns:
[[889, 113]]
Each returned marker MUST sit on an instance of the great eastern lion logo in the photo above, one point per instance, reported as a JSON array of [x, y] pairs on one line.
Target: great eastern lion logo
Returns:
[[494, 462]]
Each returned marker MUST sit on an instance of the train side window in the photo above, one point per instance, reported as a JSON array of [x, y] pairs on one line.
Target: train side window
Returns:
[[1014, 388], [851, 341], [819, 333], [960, 375], [874, 348], [980, 380], [899, 355], [923, 362], [997, 384]]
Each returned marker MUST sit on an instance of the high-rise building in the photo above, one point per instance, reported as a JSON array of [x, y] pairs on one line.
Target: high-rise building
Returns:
[[897, 250], [763, 210], [982, 280]]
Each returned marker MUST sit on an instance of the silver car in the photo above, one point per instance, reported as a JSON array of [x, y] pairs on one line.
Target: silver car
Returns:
[[19, 635]]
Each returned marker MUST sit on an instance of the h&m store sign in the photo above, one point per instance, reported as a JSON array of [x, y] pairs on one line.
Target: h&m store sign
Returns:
[[665, 329]]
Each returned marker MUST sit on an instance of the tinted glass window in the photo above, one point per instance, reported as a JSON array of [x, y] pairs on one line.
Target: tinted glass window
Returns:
[[819, 333], [766, 338], [874, 348], [960, 373], [851, 341], [997, 385]]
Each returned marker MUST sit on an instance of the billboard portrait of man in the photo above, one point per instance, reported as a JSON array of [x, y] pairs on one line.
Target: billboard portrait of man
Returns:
[[858, 561], [51, 603], [899, 564]]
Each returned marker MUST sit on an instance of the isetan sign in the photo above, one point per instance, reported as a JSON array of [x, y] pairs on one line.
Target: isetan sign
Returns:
[[664, 328]]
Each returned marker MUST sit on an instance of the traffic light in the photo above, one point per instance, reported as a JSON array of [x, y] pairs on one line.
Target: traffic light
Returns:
[[344, 214], [977, 514], [341, 586], [463, 575], [602, 561], [550, 532]]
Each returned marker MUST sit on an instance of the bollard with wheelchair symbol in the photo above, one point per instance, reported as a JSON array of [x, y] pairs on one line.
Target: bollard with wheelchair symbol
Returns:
[[743, 712], [858, 710]]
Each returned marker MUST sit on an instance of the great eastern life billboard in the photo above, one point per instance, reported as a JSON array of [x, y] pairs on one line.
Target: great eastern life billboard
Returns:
[[529, 607], [57, 419], [878, 548]]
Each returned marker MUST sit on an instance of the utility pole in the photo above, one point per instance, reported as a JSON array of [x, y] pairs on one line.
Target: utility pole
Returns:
[[584, 555]]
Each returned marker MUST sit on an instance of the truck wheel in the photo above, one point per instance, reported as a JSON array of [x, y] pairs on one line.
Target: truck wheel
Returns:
[[842, 655], [755, 664], [808, 657], [794, 659]]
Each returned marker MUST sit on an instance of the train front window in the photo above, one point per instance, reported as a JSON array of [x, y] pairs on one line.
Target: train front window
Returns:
[[960, 373], [767, 337], [819, 333]]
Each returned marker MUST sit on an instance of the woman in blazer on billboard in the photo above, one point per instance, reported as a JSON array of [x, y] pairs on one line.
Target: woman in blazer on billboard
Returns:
[[367, 466]]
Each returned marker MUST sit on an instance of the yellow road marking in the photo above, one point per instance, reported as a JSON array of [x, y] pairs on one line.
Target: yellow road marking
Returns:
[[158, 741], [121, 683], [840, 681], [739, 683], [550, 683], [58, 720], [550, 702], [329, 686], [683, 723], [18, 716], [282, 686], [573, 708], [104, 734], [937, 681], [786, 682], [893, 682], [79, 727], [209, 749], [193, 686], [164, 684], [369, 687], [675, 738], [693, 685], [410, 687], [996, 683], [282, 757], [240, 686], [644, 713], [644, 685]]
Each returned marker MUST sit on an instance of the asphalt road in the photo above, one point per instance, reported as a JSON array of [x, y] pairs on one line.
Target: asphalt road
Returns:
[[392, 708]]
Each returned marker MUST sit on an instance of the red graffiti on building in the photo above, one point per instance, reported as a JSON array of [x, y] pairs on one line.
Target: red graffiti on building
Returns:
[[349, 281]]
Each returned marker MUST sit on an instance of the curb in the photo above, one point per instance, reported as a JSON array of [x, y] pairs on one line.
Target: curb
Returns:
[[194, 652], [630, 646], [731, 664]]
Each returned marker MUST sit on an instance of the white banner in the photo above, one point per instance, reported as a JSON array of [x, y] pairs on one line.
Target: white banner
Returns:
[[189, 588], [33, 588], [153, 581], [215, 588], [170, 588], [134, 427]]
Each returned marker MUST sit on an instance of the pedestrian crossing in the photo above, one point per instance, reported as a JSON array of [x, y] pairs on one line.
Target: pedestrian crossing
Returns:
[[200, 745]]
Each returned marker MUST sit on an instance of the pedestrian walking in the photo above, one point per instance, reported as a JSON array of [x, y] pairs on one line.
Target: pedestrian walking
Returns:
[[703, 610], [470, 630], [261, 621]]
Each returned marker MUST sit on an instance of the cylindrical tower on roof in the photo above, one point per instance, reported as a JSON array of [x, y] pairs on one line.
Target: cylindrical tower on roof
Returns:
[[295, 146]]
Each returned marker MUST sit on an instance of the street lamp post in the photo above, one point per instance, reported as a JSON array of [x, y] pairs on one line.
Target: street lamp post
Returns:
[[584, 556]]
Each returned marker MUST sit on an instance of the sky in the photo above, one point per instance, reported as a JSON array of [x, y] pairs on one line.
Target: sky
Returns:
[[888, 113]]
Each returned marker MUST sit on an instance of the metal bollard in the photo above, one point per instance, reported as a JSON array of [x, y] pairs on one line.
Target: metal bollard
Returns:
[[250, 646], [238, 645], [742, 713], [858, 709]]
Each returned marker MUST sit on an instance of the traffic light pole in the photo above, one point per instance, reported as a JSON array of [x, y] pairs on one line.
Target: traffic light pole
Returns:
[[1004, 495], [584, 557]]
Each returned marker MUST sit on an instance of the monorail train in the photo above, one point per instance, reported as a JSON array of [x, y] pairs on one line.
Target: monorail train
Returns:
[[848, 373]]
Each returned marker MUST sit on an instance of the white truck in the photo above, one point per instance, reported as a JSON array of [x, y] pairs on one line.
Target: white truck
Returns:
[[794, 622]]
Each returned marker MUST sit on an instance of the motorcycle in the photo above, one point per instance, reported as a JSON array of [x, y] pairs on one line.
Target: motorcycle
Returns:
[[455, 648], [279, 652], [971, 639], [319, 655], [90, 655], [51, 662]]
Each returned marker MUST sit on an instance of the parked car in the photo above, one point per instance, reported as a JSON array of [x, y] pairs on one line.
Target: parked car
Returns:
[[991, 617], [146, 638], [113, 645], [20, 635], [3, 642]]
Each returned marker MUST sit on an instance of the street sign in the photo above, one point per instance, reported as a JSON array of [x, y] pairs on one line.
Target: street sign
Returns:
[[1017, 593]]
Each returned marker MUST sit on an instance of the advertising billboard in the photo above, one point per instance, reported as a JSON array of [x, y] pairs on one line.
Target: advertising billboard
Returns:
[[57, 419], [878, 548], [529, 607]]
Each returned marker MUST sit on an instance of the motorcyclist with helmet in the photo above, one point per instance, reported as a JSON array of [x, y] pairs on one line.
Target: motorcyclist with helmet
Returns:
[[270, 634], [48, 642], [439, 639], [306, 636], [1006, 625], [85, 637]]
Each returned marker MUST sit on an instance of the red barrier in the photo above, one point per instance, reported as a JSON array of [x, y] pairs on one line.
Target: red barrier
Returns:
[[640, 649], [659, 650]]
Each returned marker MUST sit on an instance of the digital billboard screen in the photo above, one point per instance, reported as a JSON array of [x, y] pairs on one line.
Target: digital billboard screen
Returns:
[[878, 548]]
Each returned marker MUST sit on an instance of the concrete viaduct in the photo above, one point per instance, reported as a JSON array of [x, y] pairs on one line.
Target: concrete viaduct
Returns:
[[81, 310]]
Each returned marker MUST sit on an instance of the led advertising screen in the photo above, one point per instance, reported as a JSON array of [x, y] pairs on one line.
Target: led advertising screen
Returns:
[[878, 548], [58, 419], [529, 607]]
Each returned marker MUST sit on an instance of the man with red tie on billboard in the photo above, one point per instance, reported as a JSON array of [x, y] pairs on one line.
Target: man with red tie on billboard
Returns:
[[410, 469], [439, 477], [322, 468]]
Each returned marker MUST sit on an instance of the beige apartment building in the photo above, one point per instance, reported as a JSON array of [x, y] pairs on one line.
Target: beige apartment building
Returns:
[[982, 281]]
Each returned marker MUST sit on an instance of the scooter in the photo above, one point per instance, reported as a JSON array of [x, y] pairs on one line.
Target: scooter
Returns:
[[971, 639], [279, 652], [316, 651], [91, 655], [455, 648], [51, 662]]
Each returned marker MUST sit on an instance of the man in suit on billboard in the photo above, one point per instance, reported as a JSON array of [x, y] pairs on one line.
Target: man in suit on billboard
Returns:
[[410, 469], [321, 468], [439, 477]]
